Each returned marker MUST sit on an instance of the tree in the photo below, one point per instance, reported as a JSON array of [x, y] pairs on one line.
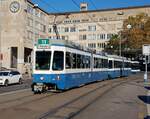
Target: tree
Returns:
[[113, 45], [132, 39], [137, 35]]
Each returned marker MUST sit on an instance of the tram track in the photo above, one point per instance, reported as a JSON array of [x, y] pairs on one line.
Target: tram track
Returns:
[[53, 113], [25, 100], [32, 100]]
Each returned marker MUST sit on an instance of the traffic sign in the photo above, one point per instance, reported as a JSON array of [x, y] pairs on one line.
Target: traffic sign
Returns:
[[146, 49]]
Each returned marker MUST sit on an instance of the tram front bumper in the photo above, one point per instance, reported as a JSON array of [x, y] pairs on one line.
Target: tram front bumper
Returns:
[[38, 87]]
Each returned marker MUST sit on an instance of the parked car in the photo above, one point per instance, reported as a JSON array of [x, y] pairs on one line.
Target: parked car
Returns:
[[10, 77]]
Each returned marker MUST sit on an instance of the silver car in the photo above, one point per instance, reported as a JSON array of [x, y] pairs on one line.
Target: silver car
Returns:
[[10, 77]]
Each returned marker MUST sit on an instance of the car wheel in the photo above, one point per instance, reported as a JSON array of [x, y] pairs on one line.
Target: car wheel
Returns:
[[20, 81], [6, 83]]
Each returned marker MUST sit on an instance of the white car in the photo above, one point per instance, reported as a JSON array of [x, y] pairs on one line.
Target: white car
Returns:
[[10, 77]]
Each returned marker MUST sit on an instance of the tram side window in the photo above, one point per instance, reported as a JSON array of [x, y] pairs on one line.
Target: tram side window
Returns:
[[117, 64], [79, 61], [83, 61], [99, 63], [88, 61], [105, 63], [129, 64], [125, 64], [95, 62], [110, 64], [58, 60], [74, 61], [68, 60]]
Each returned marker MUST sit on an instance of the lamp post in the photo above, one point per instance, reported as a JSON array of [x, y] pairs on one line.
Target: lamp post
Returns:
[[120, 45]]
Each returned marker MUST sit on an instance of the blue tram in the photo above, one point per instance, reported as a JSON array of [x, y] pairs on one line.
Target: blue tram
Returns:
[[61, 65], [135, 67]]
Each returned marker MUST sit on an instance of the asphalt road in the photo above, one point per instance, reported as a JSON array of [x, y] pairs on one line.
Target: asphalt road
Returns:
[[111, 99], [26, 84], [122, 102]]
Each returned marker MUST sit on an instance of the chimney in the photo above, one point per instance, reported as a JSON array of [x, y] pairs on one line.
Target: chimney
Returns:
[[83, 7]]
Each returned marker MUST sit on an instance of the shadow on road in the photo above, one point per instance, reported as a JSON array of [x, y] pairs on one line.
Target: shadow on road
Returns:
[[145, 99], [147, 117], [147, 87]]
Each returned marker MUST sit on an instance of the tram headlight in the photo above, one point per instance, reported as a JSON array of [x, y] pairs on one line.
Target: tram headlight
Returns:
[[57, 77], [42, 78]]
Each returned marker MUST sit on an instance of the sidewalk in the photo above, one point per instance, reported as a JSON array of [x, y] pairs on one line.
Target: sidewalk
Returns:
[[26, 76]]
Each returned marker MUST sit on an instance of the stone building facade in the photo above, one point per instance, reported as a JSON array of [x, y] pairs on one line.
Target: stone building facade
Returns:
[[93, 29], [22, 23]]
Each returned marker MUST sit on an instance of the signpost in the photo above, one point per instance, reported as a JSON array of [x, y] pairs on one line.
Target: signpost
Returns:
[[146, 53]]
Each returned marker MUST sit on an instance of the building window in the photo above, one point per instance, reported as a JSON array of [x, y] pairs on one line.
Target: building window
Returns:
[[67, 21], [50, 30], [37, 25], [30, 35], [92, 28], [72, 29], [76, 21], [85, 20], [29, 9], [109, 36], [37, 13], [101, 45], [92, 45], [43, 28], [66, 29], [92, 37], [101, 36], [30, 22], [43, 16], [64, 37], [82, 37]]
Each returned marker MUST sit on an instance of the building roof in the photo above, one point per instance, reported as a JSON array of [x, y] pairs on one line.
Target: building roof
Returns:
[[102, 10], [30, 1], [99, 10]]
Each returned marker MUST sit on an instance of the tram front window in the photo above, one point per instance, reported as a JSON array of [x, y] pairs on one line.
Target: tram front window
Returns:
[[58, 61], [43, 60]]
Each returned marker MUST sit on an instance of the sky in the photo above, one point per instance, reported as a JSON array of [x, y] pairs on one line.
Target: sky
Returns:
[[57, 6]]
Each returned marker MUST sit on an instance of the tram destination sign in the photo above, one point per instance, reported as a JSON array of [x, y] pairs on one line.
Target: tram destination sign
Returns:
[[43, 43], [146, 49]]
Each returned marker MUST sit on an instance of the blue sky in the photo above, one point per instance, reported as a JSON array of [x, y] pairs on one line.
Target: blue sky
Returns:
[[73, 5]]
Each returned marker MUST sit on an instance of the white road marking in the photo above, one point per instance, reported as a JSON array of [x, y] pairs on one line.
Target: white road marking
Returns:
[[13, 92]]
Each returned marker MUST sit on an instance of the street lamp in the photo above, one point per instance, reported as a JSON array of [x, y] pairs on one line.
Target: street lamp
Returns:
[[129, 26], [120, 45]]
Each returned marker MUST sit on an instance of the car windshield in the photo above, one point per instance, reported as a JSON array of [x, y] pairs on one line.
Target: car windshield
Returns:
[[4, 73], [43, 60]]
